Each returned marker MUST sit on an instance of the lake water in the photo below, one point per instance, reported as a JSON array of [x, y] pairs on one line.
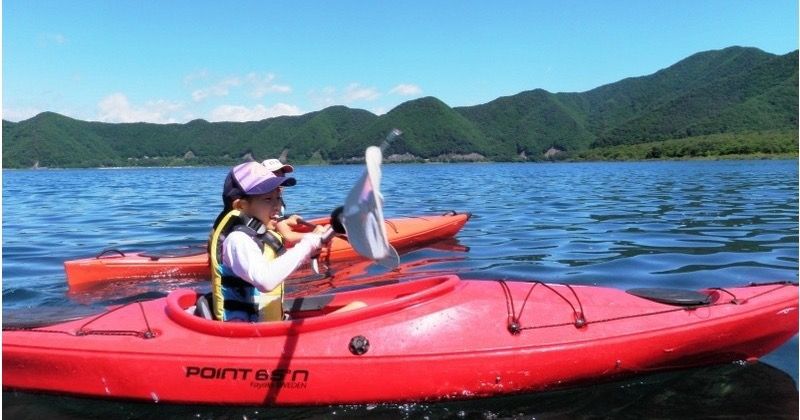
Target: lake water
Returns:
[[653, 224]]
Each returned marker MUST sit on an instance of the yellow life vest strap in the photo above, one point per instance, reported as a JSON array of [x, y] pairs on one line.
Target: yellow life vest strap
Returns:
[[270, 304]]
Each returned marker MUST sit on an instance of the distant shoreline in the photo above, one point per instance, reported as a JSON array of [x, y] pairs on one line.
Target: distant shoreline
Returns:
[[779, 156]]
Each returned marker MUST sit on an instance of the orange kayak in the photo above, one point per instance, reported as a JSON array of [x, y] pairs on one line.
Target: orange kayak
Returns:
[[113, 265]]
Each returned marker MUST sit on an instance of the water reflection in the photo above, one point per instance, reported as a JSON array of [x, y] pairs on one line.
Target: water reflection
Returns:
[[728, 391]]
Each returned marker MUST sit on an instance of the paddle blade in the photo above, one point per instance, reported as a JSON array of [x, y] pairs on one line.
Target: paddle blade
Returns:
[[362, 216]]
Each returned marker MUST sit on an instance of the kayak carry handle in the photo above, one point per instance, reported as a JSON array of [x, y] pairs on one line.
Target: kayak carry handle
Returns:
[[109, 251], [455, 213]]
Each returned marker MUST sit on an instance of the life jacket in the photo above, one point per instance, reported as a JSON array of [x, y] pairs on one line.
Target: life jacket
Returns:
[[231, 293]]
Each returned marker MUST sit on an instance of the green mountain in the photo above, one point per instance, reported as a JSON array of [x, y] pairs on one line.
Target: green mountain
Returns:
[[707, 93], [50, 139], [731, 101], [530, 123], [430, 128]]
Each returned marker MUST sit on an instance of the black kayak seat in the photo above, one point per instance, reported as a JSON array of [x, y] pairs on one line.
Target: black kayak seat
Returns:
[[668, 296], [308, 303], [203, 306]]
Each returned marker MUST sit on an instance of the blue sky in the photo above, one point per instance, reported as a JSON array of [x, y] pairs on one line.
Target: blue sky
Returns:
[[177, 60]]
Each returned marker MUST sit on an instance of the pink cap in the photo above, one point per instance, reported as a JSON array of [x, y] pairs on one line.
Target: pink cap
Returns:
[[253, 178]]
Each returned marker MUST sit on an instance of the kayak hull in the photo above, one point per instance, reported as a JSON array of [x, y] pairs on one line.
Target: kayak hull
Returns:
[[422, 340], [403, 233]]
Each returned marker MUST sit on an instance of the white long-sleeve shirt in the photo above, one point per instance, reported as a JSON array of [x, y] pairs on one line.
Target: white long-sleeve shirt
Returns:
[[244, 257]]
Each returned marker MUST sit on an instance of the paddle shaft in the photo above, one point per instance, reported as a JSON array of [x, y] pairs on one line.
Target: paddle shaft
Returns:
[[328, 234]]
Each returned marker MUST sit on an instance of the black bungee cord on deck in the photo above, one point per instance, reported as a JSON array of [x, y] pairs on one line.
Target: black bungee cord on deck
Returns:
[[515, 327], [82, 331]]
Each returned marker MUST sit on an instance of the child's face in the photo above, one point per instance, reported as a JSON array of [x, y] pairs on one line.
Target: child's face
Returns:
[[264, 207]]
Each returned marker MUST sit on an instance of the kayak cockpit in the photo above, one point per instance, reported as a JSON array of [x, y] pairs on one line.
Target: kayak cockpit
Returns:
[[315, 312]]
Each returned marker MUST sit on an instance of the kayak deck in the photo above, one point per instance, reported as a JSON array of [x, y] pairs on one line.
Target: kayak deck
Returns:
[[422, 340]]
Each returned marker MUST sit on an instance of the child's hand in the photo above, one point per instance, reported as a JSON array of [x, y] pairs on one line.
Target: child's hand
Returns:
[[321, 229], [293, 220], [285, 228], [319, 235]]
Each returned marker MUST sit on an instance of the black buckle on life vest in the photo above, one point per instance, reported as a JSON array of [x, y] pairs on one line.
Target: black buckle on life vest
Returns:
[[271, 241], [252, 224]]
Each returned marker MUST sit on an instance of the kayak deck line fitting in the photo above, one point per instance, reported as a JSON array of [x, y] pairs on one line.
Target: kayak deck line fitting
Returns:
[[514, 326]]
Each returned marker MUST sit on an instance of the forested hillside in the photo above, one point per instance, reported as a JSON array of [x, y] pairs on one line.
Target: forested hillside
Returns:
[[735, 101]]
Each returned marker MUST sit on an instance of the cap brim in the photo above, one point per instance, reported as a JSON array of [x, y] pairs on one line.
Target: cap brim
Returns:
[[274, 165], [271, 184]]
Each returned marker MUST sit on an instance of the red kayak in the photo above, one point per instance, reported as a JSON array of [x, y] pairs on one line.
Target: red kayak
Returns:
[[112, 265], [430, 339]]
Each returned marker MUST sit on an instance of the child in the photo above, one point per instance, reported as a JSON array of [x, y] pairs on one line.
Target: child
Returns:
[[249, 261], [279, 169]]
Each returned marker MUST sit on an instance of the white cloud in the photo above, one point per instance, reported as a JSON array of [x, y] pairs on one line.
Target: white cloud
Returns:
[[324, 97], [256, 113], [199, 95], [379, 110], [354, 92], [197, 75], [117, 108], [19, 114], [406, 89], [221, 88], [257, 85], [52, 39], [261, 85], [59, 39]]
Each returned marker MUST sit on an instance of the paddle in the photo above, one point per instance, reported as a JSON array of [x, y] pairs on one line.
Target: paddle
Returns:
[[336, 214], [361, 216]]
